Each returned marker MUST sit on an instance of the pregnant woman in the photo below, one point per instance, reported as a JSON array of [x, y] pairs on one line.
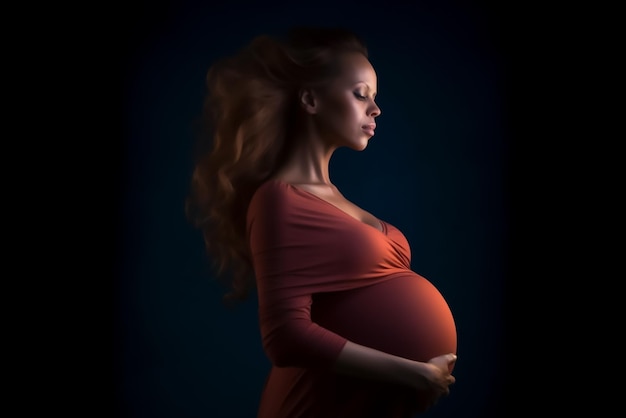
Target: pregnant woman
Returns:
[[350, 329]]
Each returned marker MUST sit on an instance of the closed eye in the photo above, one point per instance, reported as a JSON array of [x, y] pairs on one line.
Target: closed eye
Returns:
[[358, 96]]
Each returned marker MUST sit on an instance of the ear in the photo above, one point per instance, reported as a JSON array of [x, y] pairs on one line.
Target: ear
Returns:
[[309, 101]]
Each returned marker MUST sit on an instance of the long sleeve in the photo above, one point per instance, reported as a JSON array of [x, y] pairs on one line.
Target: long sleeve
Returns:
[[284, 257], [324, 278]]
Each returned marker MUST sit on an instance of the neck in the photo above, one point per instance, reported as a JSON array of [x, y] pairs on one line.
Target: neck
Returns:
[[309, 161]]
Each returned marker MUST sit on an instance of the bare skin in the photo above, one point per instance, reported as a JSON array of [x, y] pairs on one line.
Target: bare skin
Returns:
[[332, 195], [339, 116], [336, 116], [365, 362]]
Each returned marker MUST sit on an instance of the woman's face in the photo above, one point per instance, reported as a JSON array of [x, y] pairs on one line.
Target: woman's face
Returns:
[[346, 109]]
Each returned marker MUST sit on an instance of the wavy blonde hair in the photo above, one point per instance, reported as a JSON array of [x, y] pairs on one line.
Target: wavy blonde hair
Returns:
[[250, 115]]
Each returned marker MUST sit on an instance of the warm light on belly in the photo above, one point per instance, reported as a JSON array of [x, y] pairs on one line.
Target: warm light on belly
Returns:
[[406, 316]]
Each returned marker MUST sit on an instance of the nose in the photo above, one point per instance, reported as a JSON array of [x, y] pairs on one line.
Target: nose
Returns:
[[374, 111]]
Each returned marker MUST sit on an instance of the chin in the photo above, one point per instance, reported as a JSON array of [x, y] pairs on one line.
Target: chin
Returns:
[[363, 142], [356, 143]]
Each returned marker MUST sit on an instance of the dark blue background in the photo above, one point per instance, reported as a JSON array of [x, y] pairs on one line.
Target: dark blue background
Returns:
[[438, 169]]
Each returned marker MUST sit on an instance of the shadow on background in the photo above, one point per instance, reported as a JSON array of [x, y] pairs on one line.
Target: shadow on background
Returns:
[[439, 168]]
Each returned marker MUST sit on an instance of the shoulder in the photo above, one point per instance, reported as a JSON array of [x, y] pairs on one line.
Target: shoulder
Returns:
[[272, 196], [272, 208], [270, 191]]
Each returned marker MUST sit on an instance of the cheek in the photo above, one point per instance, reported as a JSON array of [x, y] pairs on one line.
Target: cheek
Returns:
[[342, 115], [334, 116], [347, 114]]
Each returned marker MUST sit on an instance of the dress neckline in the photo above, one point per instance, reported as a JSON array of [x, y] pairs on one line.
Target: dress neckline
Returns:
[[383, 226]]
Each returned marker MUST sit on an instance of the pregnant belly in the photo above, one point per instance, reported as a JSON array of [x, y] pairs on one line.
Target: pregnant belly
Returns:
[[405, 315]]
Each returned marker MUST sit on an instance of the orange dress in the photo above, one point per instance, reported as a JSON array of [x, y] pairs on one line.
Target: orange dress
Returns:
[[324, 277]]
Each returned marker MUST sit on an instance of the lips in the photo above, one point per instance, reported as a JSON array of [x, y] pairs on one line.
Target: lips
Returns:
[[369, 129]]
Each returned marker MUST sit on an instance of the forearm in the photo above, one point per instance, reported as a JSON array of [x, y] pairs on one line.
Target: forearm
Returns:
[[368, 363]]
